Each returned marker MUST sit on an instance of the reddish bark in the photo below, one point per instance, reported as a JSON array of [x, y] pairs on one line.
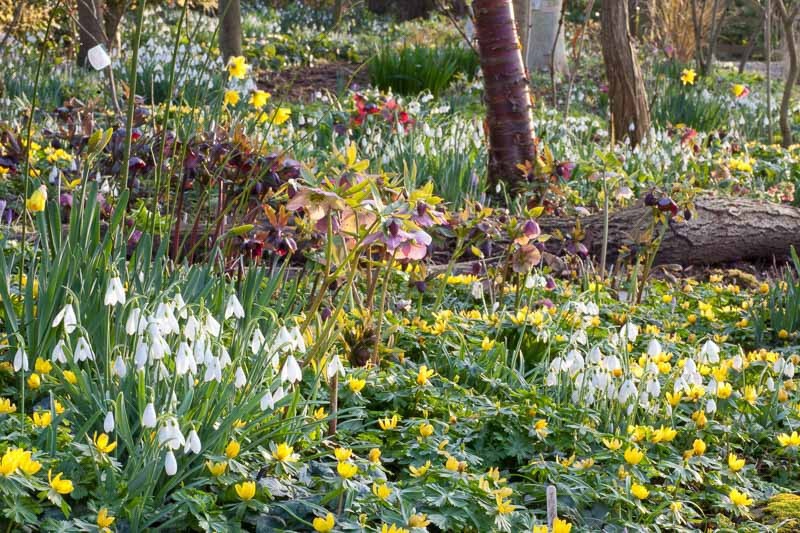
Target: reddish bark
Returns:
[[507, 94]]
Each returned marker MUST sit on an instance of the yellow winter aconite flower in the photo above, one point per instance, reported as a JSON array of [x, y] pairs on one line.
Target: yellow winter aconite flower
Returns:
[[280, 115], [699, 447], [724, 390], [750, 394], [283, 453], [640, 491], [231, 98], [34, 381], [503, 506], [61, 486], [320, 414], [28, 465], [246, 490], [342, 454], [663, 434], [381, 491], [674, 399], [324, 525], [388, 423], [786, 440], [101, 442], [217, 469], [70, 377], [540, 426], [688, 75], [418, 520], [374, 456], [734, 463], [259, 98], [561, 526], [7, 407], [633, 456], [10, 461], [42, 366], [487, 344], [356, 385], [451, 464], [425, 429], [739, 499], [392, 529], [232, 449], [37, 200], [347, 470], [42, 419], [104, 518], [424, 375], [419, 471], [237, 67]]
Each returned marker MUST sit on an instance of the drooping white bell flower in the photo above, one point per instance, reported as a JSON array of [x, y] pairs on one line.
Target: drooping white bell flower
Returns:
[[134, 324], [626, 391], [213, 370], [98, 57], [212, 326], [291, 371], [476, 290], [298, 340], [579, 337], [165, 317], [21, 361], [108, 422], [184, 360], [83, 352], [654, 348], [115, 292], [159, 347], [224, 357], [170, 435], [191, 328], [181, 310], [267, 401], [233, 308], [120, 369], [149, 416], [595, 355], [279, 394], [629, 331], [192, 443], [709, 353], [140, 357], [256, 341], [711, 406], [66, 317], [58, 355], [283, 340], [334, 366], [170, 464], [241, 379]]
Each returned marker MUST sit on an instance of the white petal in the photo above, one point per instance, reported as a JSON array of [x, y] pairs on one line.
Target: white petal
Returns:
[[170, 464]]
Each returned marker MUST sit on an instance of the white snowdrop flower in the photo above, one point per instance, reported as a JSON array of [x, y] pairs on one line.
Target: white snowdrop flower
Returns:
[[233, 308], [241, 379], [213, 370], [134, 324], [654, 348], [193, 444], [66, 317], [279, 394], [591, 308], [158, 348], [595, 355], [170, 435], [58, 355], [334, 366], [212, 327], [83, 352], [108, 422], [709, 353], [170, 464], [291, 370], [191, 328], [711, 406], [119, 368], [788, 370], [21, 361], [629, 331], [115, 292], [162, 372], [653, 388], [579, 337], [181, 310], [140, 357], [184, 360], [283, 340], [737, 362], [256, 341], [626, 391], [149, 416], [165, 317], [476, 289], [267, 401], [552, 379], [297, 340], [224, 357], [573, 362]]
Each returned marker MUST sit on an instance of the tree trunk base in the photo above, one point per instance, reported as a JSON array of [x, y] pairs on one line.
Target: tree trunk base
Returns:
[[721, 230]]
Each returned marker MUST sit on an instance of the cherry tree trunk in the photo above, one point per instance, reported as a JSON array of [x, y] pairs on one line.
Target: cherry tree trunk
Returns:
[[629, 109], [230, 29], [507, 93], [90, 28], [721, 230]]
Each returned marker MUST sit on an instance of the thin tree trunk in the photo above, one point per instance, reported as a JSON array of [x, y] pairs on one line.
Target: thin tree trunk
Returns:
[[751, 45], [230, 29], [90, 28], [789, 20], [629, 110], [721, 230], [115, 10], [338, 9], [768, 51], [507, 94]]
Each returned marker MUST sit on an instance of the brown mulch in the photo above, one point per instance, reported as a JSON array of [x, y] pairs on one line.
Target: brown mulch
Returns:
[[298, 84]]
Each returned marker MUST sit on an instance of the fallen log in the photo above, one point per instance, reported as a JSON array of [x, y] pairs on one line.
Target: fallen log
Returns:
[[721, 230]]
